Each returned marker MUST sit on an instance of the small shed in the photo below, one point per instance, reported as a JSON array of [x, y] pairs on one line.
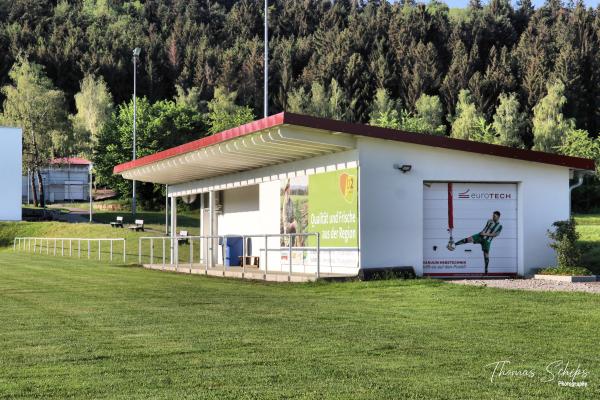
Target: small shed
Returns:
[[65, 179], [377, 197]]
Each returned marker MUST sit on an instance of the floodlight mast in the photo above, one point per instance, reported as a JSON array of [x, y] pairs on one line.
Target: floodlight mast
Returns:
[[266, 62], [136, 56]]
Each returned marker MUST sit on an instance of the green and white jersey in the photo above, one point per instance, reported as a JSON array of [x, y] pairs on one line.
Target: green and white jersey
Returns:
[[491, 227]]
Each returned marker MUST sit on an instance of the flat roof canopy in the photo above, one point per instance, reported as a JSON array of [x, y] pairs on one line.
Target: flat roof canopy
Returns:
[[235, 151], [286, 137]]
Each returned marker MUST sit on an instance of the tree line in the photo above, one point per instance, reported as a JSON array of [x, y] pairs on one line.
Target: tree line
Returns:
[[516, 76]]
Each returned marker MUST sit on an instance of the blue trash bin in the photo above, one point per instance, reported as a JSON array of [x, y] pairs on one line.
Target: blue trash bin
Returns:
[[233, 249]]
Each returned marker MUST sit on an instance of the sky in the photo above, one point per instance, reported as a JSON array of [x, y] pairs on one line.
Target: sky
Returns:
[[537, 3]]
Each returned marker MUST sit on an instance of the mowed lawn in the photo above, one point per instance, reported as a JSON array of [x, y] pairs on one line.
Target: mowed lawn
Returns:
[[588, 227], [82, 329]]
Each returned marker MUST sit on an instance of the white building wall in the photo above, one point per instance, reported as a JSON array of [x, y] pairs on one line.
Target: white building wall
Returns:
[[10, 178], [391, 203], [249, 210], [240, 216]]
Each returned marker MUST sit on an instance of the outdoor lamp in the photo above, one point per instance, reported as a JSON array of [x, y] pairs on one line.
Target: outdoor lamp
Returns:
[[404, 167]]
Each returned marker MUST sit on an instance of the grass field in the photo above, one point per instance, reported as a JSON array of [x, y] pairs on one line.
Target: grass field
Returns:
[[154, 224], [88, 330], [74, 328], [589, 229]]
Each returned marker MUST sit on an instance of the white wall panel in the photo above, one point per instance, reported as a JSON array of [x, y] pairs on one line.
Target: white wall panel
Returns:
[[392, 205], [11, 176]]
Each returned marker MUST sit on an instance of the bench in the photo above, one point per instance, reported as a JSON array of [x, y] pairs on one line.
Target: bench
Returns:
[[183, 234], [250, 261], [137, 226], [118, 223]]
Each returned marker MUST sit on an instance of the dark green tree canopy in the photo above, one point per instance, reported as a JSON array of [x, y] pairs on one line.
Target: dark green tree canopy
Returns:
[[407, 48]]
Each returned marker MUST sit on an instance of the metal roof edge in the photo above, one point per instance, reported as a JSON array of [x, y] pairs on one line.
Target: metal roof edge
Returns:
[[366, 131]]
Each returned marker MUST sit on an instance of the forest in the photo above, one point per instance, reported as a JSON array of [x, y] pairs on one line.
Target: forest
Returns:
[[516, 76]]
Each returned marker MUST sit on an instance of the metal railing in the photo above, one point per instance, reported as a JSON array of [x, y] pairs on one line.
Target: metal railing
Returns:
[[208, 249], [49, 246]]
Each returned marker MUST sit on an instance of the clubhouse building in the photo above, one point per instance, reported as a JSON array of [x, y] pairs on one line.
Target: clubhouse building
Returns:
[[305, 194]]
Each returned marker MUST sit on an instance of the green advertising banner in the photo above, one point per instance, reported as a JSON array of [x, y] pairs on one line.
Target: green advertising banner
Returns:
[[333, 207], [326, 203]]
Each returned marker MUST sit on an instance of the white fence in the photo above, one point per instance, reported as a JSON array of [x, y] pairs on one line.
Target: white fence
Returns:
[[204, 250], [71, 246], [270, 253]]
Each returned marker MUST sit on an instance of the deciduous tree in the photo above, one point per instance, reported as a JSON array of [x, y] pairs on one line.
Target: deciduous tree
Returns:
[[549, 123], [35, 105]]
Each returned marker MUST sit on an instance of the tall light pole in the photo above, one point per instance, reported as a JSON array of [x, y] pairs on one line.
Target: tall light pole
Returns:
[[266, 79], [90, 189], [136, 56]]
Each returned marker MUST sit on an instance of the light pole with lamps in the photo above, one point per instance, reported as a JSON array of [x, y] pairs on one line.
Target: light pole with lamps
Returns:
[[136, 56], [266, 61]]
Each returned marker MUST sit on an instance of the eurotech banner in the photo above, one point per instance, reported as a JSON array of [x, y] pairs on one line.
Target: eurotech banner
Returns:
[[469, 228], [325, 203]]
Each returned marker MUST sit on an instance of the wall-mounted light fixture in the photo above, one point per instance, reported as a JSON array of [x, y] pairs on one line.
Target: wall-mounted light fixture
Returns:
[[404, 167]]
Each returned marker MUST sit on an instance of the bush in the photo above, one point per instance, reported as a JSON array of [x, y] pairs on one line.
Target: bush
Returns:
[[577, 271], [564, 237]]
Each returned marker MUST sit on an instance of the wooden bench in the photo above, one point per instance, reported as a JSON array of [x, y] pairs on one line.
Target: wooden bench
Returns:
[[137, 226], [118, 223], [250, 261], [183, 234]]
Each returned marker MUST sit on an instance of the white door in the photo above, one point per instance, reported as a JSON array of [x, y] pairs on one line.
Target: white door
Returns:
[[466, 208]]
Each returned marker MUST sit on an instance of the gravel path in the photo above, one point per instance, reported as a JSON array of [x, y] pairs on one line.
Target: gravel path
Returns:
[[533, 284]]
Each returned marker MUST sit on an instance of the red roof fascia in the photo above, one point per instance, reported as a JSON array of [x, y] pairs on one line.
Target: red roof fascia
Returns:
[[71, 160], [362, 130], [232, 133]]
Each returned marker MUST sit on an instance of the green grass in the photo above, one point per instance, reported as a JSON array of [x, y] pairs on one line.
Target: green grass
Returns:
[[10, 230], [588, 227], [155, 219], [74, 329]]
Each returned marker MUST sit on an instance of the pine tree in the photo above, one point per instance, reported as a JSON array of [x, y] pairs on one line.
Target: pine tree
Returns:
[[423, 75], [357, 89], [458, 74], [533, 55], [380, 65], [498, 78]]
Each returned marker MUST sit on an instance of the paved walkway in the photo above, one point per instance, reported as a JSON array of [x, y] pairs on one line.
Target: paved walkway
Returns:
[[533, 284], [252, 273], [74, 215]]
